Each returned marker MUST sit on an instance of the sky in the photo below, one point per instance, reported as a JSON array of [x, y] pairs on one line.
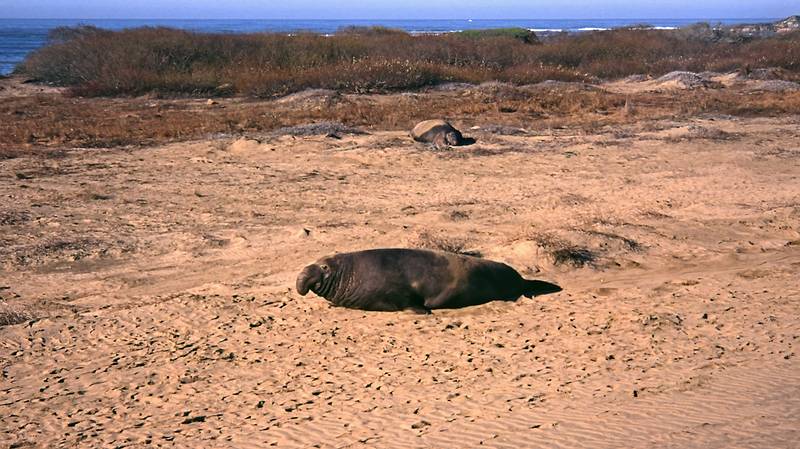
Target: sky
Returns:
[[409, 9]]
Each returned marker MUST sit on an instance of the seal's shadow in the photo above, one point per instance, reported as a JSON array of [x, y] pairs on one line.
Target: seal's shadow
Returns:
[[466, 141]]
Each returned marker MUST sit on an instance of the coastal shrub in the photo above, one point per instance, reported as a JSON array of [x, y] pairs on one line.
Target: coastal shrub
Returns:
[[521, 34], [369, 31], [67, 33], [359, 75], [623, 52], [782, 51], [164, 61]]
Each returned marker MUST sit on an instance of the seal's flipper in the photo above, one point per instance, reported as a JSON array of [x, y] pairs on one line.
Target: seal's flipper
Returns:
[[536, 288]]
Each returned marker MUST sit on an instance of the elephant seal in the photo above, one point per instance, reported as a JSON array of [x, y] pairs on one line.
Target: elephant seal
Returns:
[[413, 279], [438, 132]]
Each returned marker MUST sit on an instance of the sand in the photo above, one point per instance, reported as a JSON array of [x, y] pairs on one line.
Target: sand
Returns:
[[158, 289]]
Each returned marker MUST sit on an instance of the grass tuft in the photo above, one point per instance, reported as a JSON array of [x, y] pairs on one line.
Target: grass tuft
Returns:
[[10, 316], [441, 242], [563, 252]]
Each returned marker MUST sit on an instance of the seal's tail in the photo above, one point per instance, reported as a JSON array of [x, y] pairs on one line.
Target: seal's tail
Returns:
[[536, 288]]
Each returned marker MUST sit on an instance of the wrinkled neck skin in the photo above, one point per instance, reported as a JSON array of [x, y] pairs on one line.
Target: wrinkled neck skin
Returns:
[[337, 286]]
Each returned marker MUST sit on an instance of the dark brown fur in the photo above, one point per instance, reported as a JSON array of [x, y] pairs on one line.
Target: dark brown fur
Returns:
[[419, 280]]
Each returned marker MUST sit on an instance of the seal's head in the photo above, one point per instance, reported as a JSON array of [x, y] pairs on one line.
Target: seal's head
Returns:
[[313, 277], [453, 138], [447, 139]]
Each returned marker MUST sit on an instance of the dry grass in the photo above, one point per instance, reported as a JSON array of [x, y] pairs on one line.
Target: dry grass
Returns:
[[10, 315], [58, 121], [446, 243], [562, 252], [96, 62], [333, 129]]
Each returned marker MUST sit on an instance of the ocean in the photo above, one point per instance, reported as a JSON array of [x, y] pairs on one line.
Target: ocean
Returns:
[[18, 37]]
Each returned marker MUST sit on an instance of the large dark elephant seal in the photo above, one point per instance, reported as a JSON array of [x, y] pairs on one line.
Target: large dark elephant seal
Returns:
[[419, 280], [438, 132]]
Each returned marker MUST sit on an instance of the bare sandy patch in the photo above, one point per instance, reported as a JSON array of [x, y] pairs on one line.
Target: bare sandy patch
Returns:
[[157, 287]]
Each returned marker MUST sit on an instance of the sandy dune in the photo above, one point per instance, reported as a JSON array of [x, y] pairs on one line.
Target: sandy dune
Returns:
[[162, 280]]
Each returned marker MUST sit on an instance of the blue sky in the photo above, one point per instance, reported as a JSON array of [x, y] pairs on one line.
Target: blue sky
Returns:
[[409, 9]]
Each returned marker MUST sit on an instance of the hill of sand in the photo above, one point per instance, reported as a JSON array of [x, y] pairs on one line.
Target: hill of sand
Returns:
[[153, 291]]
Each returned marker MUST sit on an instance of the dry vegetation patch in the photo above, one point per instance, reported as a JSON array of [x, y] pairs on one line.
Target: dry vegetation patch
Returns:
[[56, 121], [316, 129], [445, 242], [564, 252], [96, 62], [10, 315]]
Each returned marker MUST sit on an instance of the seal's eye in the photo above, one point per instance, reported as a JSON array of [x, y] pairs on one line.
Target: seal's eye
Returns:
[[325, 268]]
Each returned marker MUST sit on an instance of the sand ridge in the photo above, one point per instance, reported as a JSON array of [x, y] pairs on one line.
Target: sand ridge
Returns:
[[162, 282]]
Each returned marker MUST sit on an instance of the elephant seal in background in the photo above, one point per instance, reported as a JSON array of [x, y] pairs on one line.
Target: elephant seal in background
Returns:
[[418, 280], [438, 132]]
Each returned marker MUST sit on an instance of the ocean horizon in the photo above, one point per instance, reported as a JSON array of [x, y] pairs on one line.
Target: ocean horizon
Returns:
[[19, 37]]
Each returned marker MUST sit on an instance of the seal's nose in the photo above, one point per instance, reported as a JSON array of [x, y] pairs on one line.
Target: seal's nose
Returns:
[[311, 275]]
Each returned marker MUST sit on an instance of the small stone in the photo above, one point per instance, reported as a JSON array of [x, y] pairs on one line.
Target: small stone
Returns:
[[194, 419], [420, 424]]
